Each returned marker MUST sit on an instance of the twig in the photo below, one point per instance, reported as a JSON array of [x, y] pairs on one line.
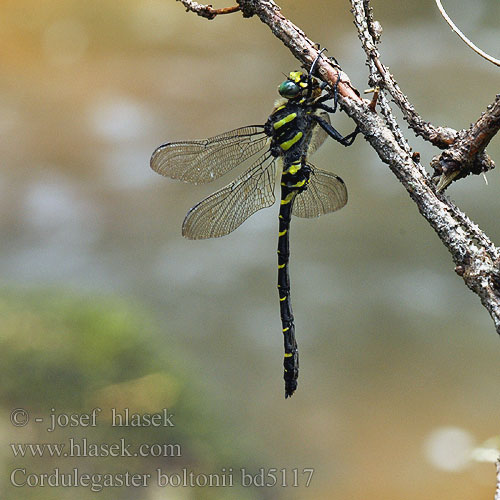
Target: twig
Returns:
[[207, 11], [379, 75], [454, 28]]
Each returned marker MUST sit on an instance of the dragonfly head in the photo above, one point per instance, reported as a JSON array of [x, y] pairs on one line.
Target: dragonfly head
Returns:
[[296, 85]]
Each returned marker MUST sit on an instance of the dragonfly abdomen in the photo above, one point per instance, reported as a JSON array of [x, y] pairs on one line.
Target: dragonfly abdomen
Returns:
[[296, 128], [294, 180]]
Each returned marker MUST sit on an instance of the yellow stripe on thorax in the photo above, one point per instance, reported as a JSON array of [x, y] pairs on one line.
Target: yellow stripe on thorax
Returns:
[[284, 121], [288, 144]]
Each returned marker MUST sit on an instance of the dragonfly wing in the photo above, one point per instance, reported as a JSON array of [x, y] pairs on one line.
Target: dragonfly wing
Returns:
[[205, 160], [318, 135], [223, 211], [325, 193]]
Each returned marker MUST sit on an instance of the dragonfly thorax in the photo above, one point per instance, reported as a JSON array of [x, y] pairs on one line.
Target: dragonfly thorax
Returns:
[[289, 127]]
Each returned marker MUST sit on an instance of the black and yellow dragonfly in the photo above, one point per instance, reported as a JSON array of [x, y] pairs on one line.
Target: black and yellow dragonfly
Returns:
[[298, 125]]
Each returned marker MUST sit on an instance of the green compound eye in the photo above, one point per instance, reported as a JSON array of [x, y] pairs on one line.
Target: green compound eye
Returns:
[[289, 89]]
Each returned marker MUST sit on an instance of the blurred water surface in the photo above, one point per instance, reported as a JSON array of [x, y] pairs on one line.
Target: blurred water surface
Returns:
[[395, 351]]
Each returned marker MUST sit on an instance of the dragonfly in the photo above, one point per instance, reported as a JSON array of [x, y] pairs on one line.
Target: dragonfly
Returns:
[[296, 128]]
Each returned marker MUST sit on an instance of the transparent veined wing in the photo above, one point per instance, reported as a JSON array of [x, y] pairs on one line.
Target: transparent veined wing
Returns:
[[325, 193], [208, 159], [223, 211], [318, 135]]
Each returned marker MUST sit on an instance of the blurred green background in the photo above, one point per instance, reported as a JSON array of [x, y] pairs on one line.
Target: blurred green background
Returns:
[[103, 303]]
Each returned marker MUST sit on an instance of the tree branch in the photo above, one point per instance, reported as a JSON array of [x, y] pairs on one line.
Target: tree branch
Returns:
[[465, 149], [476, 258], [369, 32]]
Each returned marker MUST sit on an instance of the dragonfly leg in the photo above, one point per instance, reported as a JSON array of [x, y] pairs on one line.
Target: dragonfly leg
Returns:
[[334, 134], [319, 102], [310, 74]]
